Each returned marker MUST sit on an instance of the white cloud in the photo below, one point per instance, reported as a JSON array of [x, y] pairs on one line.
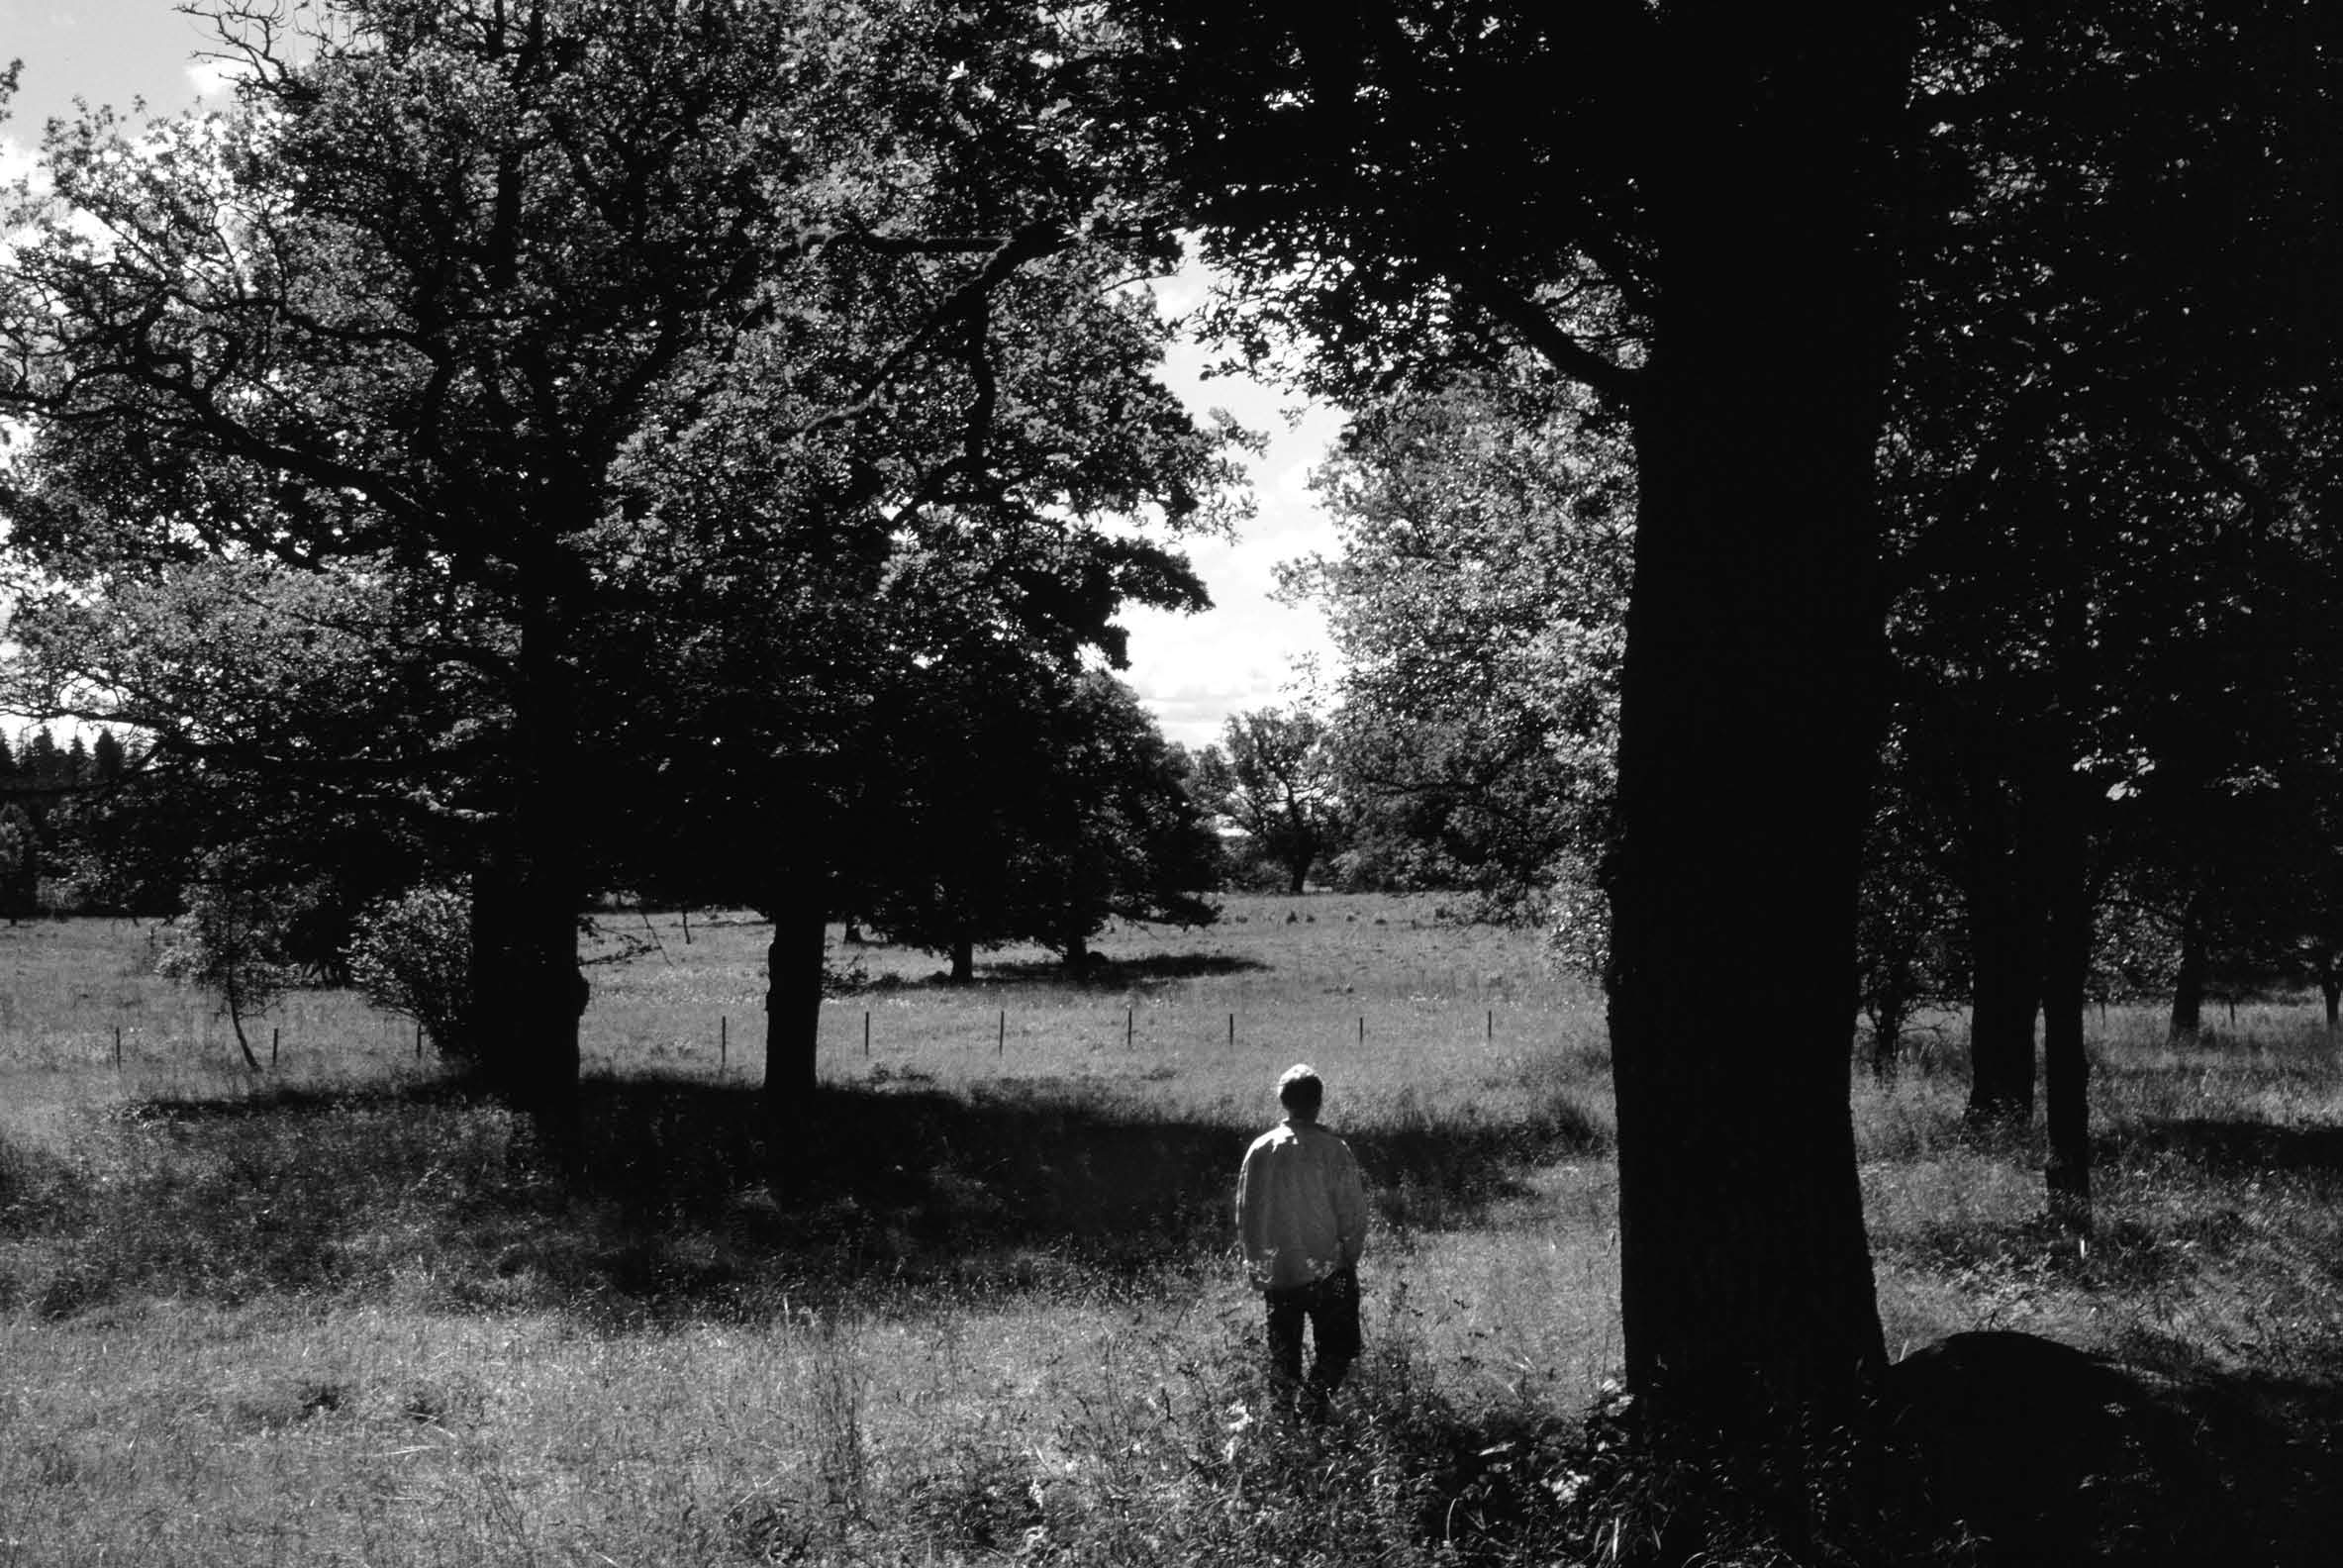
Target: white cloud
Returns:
[[215, 78], [1248, 650], [1194, 672], [17, 158]]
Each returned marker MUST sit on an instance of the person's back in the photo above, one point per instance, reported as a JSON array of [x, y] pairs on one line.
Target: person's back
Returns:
[[1301, 1216], [1301, 1206]]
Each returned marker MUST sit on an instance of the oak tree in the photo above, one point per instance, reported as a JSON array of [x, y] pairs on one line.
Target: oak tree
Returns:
[[1406, 186], [1271, 776]]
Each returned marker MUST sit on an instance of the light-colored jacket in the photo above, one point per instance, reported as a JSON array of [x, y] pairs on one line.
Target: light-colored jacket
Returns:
[[1300, 1208]]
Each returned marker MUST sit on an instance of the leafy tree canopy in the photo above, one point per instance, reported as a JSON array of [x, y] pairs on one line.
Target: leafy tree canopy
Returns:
[[1479, 601]]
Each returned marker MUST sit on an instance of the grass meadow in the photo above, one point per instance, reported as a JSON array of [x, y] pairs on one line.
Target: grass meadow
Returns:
[[331, 1313]]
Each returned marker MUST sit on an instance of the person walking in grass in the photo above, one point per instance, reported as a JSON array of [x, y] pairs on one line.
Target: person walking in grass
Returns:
[[1302, 1212]]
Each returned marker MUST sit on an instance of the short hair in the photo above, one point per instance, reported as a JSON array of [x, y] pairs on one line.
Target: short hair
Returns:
[[1300, 1089]]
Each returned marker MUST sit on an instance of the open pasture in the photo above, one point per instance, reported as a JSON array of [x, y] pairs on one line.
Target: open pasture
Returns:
[[333, 1314]]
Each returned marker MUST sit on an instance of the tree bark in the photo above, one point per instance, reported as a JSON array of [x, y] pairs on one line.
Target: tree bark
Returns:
[[2004, 993], [2187, 982], [2001, 899], [527, 993], [528, 989], [236, 1023], [793, 1007], [1750, 724], [963, 961]]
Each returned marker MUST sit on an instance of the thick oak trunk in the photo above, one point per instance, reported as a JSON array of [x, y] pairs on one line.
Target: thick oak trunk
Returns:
[[528, 990], [2187, 982], [1751, 717], [793, 1009]]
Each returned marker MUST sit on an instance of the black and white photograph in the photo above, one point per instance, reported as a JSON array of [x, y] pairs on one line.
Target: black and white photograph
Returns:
[[1171, 784]]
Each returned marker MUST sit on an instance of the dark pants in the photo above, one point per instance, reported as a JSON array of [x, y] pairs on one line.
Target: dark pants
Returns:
[[1331, 1307]]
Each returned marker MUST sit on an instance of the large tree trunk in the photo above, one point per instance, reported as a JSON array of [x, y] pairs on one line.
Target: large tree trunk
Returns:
[[527, 993], [2004, 993], [528, 990], [793, 1007], [2188, 983], [1751, 717]]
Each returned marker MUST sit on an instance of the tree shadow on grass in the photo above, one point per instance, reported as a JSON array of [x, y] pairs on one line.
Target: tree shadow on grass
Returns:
[[2239, 1145], [693, 1201], [1020, 1183], [1100, 974]]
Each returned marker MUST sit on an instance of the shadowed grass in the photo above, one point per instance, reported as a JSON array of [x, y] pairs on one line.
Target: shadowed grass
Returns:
[[689, 1205]]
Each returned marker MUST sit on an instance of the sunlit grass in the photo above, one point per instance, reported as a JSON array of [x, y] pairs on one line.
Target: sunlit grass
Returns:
[[332, 1313]]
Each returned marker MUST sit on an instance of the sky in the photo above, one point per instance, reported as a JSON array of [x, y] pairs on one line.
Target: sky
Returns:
[[1192, 671]]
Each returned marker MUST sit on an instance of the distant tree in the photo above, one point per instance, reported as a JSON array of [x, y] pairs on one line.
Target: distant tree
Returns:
[[109, 758], [43, 761], [956, 834], [20, 863], [129, 842], [1125, 841], [1273, 776], [1029, 805]]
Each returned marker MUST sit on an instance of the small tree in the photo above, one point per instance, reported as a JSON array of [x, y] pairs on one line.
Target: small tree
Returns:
[[233, 943], [412, 954]]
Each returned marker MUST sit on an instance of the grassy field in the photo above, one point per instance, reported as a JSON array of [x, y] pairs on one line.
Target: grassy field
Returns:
[[331, 1314]]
